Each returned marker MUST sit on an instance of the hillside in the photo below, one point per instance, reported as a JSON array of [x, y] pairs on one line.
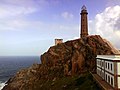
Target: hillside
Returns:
[[63, 66]]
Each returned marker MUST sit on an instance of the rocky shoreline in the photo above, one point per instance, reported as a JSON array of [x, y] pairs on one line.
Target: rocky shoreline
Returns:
[[66, 60]]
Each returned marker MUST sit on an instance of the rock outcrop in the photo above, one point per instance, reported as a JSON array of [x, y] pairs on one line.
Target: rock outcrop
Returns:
[[66, 59], [77, 55]]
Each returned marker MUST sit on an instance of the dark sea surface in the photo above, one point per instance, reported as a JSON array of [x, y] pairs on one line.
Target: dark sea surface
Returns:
[[9, 65]]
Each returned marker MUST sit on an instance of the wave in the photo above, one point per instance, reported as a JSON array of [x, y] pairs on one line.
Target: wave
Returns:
[[2, 84]]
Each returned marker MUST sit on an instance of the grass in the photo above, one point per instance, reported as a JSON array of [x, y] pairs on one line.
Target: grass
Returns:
[[82, 82]]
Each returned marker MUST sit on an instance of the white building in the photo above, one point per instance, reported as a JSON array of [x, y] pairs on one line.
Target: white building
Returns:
[[108, 68]]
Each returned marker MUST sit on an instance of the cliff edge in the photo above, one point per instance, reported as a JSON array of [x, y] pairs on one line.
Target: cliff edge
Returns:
[[77, 56], [68, 59]]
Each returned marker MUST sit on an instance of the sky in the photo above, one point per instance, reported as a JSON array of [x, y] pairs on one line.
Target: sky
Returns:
[[29, 27]]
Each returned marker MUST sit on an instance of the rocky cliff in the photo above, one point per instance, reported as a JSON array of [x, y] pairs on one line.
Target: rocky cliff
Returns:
[[77, 55], [67, 59]]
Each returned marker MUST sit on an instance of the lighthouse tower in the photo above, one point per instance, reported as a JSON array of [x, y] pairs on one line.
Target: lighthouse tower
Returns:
[[84, 22]]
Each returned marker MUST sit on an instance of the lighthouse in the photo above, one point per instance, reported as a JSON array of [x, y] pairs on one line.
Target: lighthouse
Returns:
[[84, 22]]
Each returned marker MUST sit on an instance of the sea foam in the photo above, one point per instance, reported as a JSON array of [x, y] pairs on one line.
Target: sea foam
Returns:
[[2, 85]]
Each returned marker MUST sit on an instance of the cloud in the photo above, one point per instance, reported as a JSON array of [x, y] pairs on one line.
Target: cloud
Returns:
[[8, 11], [13, 14], [112, 2], [14, 25], [20, 25], [107, 24], [39, 4], [23, 3], [23, 7], [67, 15], [16, 14]]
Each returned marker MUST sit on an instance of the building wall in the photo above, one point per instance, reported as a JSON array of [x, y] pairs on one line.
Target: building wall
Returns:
[[109, 66], [100, 68], [118, 73], [118, 82], [104, 71], [100, 63], [99, 71], [109, 79], [118, 67]]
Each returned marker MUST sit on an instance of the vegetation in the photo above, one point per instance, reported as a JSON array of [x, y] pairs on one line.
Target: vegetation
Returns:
[[82, 82]]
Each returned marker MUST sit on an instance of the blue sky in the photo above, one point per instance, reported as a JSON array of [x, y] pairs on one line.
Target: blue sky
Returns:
[[29, 27]]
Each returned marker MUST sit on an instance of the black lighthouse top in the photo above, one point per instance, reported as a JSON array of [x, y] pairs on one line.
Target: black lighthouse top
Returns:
[[84, 7], [83, 10]]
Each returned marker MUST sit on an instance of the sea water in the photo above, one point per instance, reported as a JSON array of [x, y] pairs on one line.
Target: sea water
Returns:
[[9, 65]]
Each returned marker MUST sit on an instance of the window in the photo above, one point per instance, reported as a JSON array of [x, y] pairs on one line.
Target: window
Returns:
[[102, 64], [108, 79], [111, 81], [108, 65], [111, 66], [103, 74], [100, 72]]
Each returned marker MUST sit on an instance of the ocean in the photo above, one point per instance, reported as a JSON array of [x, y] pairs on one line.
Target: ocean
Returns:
[[9, 65]]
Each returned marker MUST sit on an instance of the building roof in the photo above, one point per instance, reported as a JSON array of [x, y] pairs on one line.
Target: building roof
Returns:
[[109, 57]]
